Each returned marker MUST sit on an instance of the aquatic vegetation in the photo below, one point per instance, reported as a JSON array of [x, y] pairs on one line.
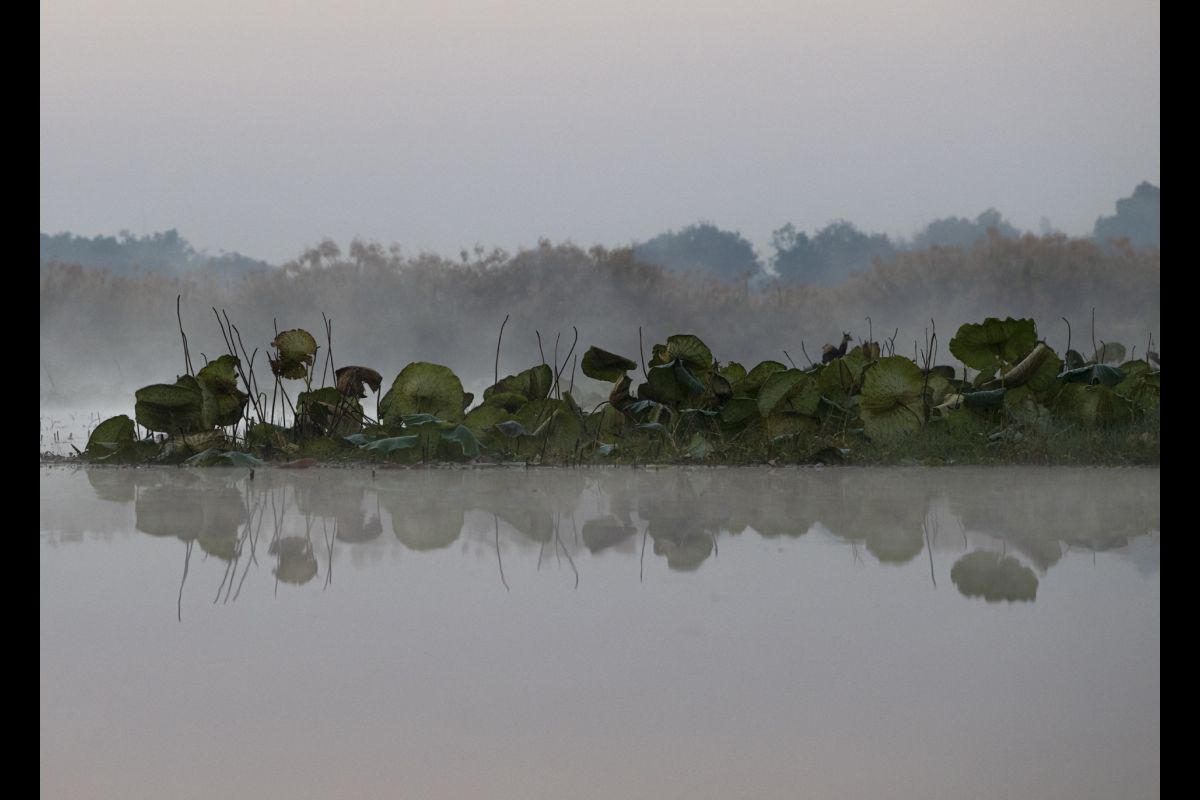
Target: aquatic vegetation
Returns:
[[864, 404]]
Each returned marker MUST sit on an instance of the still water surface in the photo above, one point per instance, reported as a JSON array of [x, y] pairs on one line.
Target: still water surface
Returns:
[[710, 633]]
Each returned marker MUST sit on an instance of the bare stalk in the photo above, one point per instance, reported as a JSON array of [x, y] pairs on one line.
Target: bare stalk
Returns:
[[496, 371], [187, 358]]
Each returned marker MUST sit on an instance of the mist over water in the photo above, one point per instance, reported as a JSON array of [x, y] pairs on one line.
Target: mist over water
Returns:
[[105, 335]]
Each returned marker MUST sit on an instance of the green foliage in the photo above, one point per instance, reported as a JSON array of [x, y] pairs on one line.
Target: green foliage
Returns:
[[111, 435], [605, 366], [994, 343], [892, 406], [422, 387]]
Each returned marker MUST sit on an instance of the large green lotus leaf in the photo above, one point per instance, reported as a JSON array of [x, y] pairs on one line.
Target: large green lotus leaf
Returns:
[[994, 343], [482, 422], [170, 408], [605, 366], [1024, 405], [221, 402], [297, 349], [836, 382], [754, 379], [110, 436], [1109, 353], [1145, 392], [891, 405], [422, 387], [1133, 369], [792, 425], [738, 412], [841, 379], [1093, 405], [663, 386], [791, 390], [994, 577], [733, 372], [688, 381], [463, 438], [508, 401], [607, 423], [536, 413], [1094, 374], [552, 422], [694, 353], [532, 384]]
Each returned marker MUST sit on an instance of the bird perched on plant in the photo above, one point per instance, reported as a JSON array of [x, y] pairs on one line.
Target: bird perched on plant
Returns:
[[829, 352]]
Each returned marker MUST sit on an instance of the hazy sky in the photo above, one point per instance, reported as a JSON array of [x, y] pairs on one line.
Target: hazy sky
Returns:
[[262, 126]]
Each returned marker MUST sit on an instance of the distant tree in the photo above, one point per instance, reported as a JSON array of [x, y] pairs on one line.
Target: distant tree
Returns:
[[1137, 218], [829, 256], [702, 248], [157, 252], [962, 232]]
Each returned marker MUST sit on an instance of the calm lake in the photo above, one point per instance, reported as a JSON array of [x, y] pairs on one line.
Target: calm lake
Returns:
[[596, 633]]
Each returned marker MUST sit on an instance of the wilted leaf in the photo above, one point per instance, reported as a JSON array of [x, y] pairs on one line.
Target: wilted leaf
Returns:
[[296, 352], [605, 366], [351, 380]]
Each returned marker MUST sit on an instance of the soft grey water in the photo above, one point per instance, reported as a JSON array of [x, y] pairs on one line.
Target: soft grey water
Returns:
[[709, 633]]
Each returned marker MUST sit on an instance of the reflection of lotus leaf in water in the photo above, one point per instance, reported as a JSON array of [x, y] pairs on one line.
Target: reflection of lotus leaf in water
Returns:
[[297, 564], [895, 543], [190, 511], [605, 532], [1037, 517], [887, 516], [115, 485], [427, 512], [427, 526], [685, 553], [354, 530], [223, 547], [994, 577]]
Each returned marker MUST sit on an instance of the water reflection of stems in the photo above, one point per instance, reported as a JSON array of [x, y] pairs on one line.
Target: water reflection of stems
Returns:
[[329, 550], [930, 521], [496, 522], [558, 543], [179, 603]]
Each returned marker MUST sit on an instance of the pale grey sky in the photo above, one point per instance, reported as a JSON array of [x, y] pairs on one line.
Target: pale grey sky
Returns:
[[262, 126]]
